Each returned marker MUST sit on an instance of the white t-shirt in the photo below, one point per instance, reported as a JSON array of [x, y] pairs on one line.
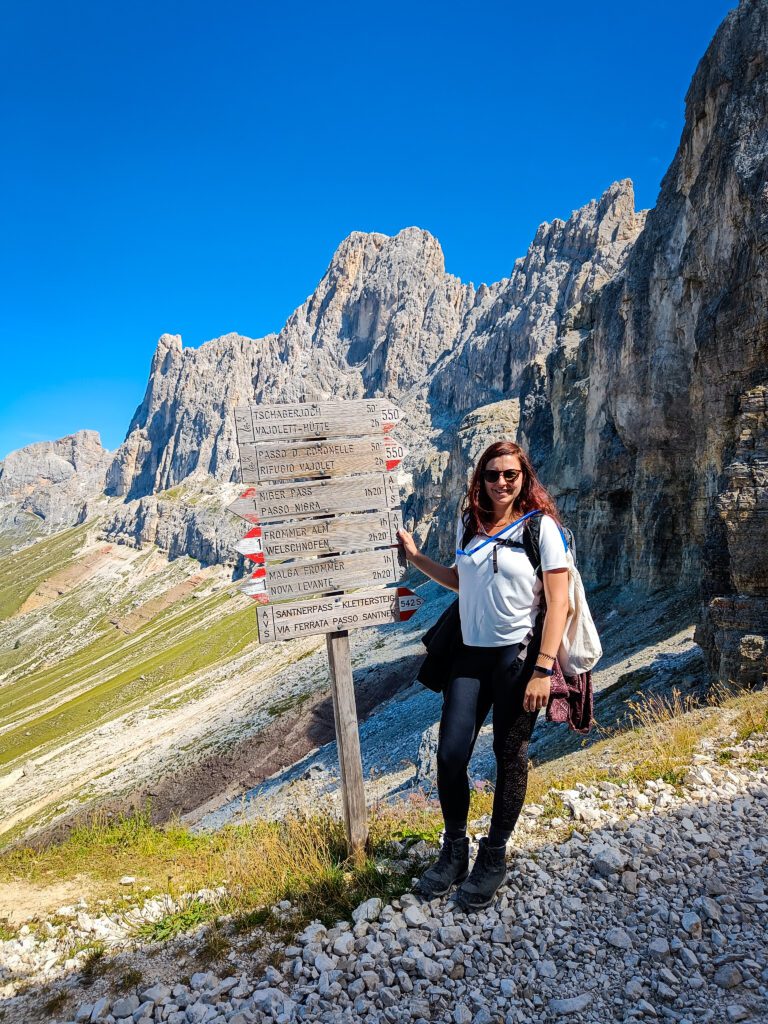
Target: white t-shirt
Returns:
[[499, 608]]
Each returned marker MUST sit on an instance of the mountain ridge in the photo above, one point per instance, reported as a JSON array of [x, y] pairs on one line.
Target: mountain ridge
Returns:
[[626, 351]]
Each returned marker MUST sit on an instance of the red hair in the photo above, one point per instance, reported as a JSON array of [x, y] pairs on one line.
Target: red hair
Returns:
[[476, 507]]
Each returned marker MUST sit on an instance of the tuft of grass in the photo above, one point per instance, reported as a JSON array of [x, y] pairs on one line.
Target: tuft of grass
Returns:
[[55, 1002], [215, 944], [295, 700], [662, 735], [753, 718], [131, 979], [554, 807], [303, 860], [192, 916], [95, 962]]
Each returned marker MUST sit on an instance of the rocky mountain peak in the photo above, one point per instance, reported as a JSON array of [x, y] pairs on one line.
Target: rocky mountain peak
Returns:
[[50, 462], [517, 320], [53, 481]]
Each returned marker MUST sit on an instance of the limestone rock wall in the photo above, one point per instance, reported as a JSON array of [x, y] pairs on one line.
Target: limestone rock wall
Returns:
[[649, 415], [201, 531], [381, 314], [384, 319], [53, 481], [517, 320]]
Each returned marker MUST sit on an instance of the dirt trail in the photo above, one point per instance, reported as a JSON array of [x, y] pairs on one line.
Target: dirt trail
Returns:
[[200, 785], [67, 579], [22, 901], [135, 619]]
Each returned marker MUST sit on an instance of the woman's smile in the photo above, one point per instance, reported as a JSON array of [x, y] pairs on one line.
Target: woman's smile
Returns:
[[503, 493]]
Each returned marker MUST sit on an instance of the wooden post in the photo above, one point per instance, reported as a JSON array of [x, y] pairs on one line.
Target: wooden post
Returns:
[[348, 742], [313, 460]]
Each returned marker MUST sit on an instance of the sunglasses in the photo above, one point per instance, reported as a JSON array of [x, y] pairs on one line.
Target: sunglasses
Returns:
[[492, 475]]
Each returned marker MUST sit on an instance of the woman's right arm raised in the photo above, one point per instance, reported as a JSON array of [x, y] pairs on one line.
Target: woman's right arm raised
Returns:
[[445, 575]]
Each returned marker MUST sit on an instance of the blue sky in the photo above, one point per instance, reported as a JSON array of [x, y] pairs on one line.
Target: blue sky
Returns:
[[191, 168]]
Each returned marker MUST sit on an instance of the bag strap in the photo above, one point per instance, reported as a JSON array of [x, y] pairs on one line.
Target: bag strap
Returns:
[[531, 543], [495, 537]]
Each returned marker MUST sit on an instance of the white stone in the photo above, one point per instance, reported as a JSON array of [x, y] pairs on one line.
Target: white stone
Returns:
[[691, 922], [607, 860], [619, 938], [576, 1004], [272, 1000], [728, 976], [546, 969], [344, 944], [414, 917], [368, 911], [736, 1012]]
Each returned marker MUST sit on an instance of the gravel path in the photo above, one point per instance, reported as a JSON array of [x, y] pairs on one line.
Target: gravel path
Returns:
[[655, 906]]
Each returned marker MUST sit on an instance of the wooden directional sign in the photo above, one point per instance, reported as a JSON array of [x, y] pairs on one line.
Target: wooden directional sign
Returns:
[[315, 419], [373, 492], [309, 446], [320, 575], [321, 536], [331, 614], [306, 460]]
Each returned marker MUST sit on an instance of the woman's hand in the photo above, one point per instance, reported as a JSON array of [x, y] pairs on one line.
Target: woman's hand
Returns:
[[446, 576], [537, 692], [408, 544]]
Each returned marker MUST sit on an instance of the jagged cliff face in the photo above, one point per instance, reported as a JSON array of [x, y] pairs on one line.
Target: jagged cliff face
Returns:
[[517, 321], [48, 486], [384, 310], [627, 354], [385, 319], [650, 417]]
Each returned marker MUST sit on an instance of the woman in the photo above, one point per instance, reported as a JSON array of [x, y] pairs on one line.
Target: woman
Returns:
[[504, 661]]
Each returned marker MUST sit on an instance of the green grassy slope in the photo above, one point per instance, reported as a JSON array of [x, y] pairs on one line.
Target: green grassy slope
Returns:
[[22, 572], [72, 663], [117, 673]]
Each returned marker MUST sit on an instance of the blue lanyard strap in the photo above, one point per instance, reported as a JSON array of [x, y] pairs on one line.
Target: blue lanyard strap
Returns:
[[495, 537]]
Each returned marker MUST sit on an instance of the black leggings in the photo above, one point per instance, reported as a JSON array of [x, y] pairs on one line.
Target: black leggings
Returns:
[[485, 677]]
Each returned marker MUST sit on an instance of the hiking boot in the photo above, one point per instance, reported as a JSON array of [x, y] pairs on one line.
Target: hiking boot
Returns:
[[450, 868], [488, 872]]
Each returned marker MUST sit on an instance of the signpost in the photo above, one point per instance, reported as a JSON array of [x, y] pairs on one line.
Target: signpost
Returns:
[[373, 492], [315, 419], [308, 460], [324, 575], [326, 489], [320, 536]]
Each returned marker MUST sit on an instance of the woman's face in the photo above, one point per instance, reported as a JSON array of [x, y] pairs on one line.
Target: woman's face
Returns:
[[503, 493]]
